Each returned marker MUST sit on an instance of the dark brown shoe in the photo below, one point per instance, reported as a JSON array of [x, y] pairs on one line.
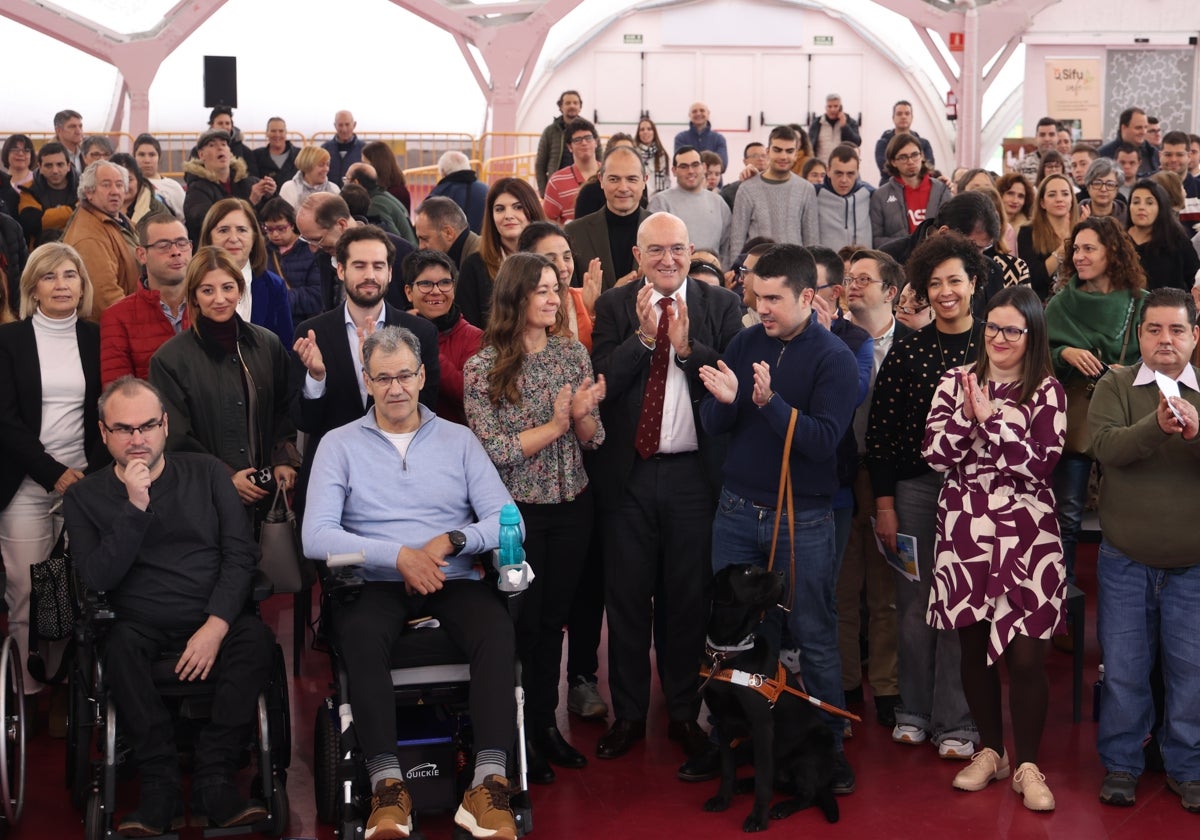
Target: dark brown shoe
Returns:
[[620, 738], [689, 735]]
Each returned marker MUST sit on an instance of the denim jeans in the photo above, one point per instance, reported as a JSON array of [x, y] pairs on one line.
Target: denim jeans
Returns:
[[1071, 492], [742, 534], [931, 692], [1141, 611]]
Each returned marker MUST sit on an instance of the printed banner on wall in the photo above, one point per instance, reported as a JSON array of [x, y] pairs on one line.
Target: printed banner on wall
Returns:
[[1073, 94]]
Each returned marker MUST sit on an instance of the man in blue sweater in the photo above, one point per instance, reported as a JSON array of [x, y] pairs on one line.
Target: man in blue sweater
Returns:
[[787, 362], [420, 497]]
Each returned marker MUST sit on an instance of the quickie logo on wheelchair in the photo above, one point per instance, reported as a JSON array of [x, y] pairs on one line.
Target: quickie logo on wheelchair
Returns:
[[428, 770]]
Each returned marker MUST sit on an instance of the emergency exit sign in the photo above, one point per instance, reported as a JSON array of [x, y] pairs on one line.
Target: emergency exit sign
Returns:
[[822, 40], [633, 39]]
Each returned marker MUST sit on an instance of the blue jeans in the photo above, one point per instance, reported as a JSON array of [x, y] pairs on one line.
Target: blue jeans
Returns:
[[742, 534], [1141, 611], [1071, 493], [931, 692]]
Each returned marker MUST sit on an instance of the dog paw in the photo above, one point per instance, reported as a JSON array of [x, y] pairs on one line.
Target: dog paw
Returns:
[[783, 810], [717, 804], [754, 823]]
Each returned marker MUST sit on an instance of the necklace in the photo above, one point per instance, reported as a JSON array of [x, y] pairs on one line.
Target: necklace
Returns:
[[937, 334]]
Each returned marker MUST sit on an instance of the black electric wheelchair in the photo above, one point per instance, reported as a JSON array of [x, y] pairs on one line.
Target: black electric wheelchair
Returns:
[[12, 735], [430, 682], [97, 758]]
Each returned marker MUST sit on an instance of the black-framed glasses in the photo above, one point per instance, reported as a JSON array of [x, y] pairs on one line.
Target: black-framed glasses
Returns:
[[445, 284], [991, 330], [165, 246], [1104, 185], [385, 380], [860, 281], [911, 156], [583, 138], [124, 432]]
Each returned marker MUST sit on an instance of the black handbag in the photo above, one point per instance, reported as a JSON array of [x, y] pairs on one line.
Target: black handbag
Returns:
[[53, 608]]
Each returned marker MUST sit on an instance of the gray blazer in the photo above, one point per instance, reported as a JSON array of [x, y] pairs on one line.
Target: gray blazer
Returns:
[[889, 215]]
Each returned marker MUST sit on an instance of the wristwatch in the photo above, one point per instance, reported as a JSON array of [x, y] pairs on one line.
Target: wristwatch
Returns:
[[458, 540]]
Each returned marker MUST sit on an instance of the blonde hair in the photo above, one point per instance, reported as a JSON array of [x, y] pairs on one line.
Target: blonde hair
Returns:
[[311, 157], [43, 260]]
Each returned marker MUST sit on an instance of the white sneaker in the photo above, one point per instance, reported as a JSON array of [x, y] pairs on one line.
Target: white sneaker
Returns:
[[584, 699], [906, 733], [956, 749]]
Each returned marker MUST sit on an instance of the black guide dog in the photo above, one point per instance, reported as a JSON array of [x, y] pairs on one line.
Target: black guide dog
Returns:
[[793, 749]]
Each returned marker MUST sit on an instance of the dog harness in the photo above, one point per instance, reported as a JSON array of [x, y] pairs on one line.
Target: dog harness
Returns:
[[771, 689]]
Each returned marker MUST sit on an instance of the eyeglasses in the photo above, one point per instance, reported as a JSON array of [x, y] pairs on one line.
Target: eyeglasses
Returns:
[[270, 229], [166, 246], [404, 377], [1103, 185], [912, 310], [862, 281], [656, 252], [586, 138], [124, 432], [426, 286], [991, 330], [908, 158]]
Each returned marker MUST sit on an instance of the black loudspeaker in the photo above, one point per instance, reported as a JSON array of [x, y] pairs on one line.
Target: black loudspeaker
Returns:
[[220, 81]]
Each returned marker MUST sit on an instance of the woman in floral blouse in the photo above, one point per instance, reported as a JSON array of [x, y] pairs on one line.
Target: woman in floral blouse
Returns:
[[531, 400]]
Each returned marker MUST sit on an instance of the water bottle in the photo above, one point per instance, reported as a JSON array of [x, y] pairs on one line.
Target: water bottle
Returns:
[[512, 553], [1097, 688]]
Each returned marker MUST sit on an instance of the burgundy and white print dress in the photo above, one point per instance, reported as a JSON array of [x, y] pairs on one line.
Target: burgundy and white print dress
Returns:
[[998, 555]]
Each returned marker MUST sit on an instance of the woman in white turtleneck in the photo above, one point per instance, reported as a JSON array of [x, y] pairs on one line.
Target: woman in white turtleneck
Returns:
[[49, 385]]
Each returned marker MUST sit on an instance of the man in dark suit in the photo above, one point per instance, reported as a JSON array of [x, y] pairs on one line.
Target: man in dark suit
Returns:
[[610, 234], [327, 364], [657, 478]]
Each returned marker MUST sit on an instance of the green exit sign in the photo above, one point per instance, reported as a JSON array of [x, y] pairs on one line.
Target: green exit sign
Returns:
[[822, 40], [633, 39]]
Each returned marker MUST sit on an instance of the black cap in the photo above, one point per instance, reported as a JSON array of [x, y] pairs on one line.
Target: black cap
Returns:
[[209, 136]]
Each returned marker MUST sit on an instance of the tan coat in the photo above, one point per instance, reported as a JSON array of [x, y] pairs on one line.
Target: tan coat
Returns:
[[107, 249]]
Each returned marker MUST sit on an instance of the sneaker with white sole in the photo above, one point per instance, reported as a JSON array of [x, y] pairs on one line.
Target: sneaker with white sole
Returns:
[[584, 699], [956, 749], [1031, 784], [985, 768], [906, 733], [485, 810]]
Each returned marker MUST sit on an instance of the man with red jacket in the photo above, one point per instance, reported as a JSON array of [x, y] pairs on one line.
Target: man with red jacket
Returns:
[[133, 328]]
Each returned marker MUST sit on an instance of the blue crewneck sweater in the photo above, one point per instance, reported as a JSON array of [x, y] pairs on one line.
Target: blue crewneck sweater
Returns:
[[816, 373]]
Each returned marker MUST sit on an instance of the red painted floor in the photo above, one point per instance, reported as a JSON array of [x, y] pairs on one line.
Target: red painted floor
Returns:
[[903, 792]]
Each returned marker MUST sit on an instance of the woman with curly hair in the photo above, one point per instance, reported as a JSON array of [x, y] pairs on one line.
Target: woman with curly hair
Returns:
[[1091, 324], [655, 158], [1041, 242], [530, 399], [947, 270], [1162, 244], [511, 205]]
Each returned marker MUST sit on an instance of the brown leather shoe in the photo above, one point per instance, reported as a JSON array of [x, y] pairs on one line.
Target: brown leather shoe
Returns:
[[620, 738]]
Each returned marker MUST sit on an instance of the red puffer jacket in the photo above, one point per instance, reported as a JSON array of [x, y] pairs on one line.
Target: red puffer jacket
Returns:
[[131, 330]]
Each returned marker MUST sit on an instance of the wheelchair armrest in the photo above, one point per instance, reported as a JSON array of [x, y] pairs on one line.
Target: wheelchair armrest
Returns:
[[96, 607], [261, 587], [343, 583]]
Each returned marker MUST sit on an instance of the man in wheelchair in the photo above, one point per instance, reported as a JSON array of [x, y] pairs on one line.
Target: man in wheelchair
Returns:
[[169, 541], [419, 497]]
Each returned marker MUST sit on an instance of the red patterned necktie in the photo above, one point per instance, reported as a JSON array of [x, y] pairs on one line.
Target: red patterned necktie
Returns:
[[650, 422]]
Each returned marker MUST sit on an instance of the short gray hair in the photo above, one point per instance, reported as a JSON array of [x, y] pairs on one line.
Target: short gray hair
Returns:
[[1102, 167], [127, 386], [440, 210], [87, 181], [388, 340], [453, 161]]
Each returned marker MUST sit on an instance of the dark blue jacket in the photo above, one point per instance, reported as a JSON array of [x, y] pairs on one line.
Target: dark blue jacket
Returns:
[[270, 308], [705, 140], [468, 192]]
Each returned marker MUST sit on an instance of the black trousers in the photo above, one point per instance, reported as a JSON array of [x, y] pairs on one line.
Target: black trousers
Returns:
[[241, 672], [556, 539], [658, 577], [476, 621]]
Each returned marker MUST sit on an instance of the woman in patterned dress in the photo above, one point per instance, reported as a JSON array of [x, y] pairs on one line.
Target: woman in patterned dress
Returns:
[[996, 430], [530, 399]]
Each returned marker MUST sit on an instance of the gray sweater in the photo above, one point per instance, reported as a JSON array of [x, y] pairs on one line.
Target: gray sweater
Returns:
[[786, 211], [705, 213]]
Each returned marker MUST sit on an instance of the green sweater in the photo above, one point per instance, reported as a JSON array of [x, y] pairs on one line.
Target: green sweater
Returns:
[[1094, 322], [1150, 489]]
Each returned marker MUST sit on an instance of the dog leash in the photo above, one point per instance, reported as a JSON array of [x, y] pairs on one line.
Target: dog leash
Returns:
[[785, 489], [770, 689]]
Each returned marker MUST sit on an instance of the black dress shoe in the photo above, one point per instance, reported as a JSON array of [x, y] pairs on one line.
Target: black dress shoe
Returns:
[[537, 767], [620, 737], [555, 748], [885, 709], [690, 736], [702, 767]]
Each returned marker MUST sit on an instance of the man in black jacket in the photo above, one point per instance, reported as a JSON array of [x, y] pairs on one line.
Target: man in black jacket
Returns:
[[277, 159], [169, 540]]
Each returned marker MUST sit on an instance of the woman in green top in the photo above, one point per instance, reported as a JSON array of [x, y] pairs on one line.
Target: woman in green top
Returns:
[[1091, 324]]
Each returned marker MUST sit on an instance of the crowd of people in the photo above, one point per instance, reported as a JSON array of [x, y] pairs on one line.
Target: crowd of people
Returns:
[[621, 353]]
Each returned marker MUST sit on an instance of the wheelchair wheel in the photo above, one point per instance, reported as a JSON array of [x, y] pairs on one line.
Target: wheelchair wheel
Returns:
[[280, 715], [12, 737], [80, 726], [279, 809], [326, 758], [93, 818]]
